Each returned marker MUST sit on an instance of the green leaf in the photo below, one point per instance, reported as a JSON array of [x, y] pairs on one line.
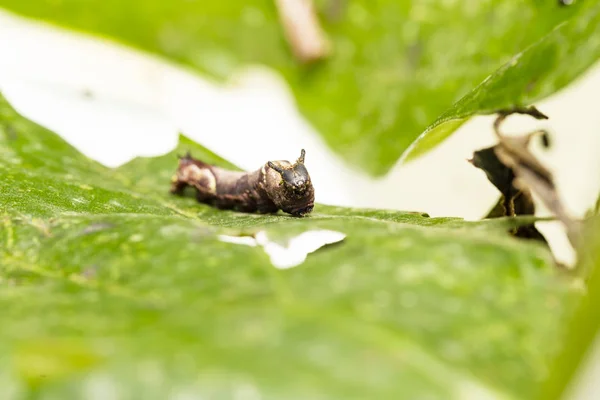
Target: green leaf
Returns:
[[396, 65], [584, 324], [110, 286], [543, 68]]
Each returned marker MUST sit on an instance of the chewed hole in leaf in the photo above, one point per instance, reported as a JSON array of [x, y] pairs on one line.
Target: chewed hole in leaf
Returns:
[[296, 250]]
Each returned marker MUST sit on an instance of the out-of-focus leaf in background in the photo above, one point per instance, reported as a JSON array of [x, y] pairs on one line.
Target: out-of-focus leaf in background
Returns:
[[547, 65], [396, 65], [111, 286]]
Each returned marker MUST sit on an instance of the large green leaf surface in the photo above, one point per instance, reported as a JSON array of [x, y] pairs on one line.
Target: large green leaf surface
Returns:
[[397, 65], [112, 288]]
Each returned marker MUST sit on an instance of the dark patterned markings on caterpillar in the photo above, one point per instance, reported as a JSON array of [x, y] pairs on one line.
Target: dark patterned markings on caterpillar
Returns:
[[278, 185]]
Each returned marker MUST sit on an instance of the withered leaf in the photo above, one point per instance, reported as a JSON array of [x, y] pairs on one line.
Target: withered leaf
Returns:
[[513, 201], [517, 173]]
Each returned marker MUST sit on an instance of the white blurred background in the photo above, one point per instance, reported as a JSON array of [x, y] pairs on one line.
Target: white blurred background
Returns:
[[114, 103]]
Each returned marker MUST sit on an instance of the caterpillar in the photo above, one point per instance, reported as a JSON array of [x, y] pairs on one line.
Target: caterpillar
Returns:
[[277, 185]]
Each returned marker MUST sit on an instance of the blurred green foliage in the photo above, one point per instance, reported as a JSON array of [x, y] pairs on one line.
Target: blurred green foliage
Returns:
[[397, 64], [547, 65], [584, 326]]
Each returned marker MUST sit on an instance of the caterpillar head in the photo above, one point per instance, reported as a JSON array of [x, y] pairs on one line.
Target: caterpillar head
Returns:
[[289, 186]]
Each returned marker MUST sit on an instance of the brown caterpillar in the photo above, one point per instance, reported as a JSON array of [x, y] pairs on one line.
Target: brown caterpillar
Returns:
[[278, 185]]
